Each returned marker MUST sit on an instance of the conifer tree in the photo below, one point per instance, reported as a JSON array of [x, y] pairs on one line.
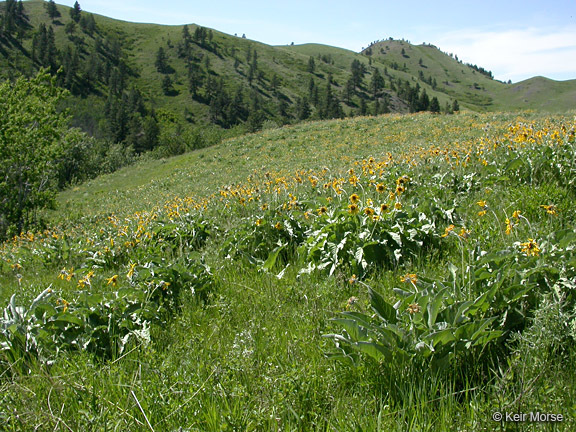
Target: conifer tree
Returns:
[[376, 83], [76, 12], [434, 105], [52, 9], [311, 65]]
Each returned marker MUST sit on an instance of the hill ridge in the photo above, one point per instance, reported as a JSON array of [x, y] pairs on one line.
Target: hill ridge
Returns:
[[185, 77]]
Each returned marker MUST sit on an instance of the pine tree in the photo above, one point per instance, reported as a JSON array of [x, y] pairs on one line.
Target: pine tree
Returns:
[[167, 85], [302, 109], [76, 12], [52, 10], [434, 105], [358, 70], [88, 24], [376, 83], [311, 65], [455, 106]]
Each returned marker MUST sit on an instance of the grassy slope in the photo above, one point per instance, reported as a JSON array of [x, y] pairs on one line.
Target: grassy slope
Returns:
[[315, 145], [455, 80], [492, 95], [253, 357]]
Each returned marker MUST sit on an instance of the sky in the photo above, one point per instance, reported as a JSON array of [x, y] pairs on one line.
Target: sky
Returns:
[[515, 39]]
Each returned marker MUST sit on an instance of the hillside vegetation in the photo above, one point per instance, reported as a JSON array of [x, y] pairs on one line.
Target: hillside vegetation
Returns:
[[194, 237], [375, 273], [127, 78]]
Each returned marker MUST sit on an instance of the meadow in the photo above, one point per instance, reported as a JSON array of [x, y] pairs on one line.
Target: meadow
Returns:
[[399, 272]]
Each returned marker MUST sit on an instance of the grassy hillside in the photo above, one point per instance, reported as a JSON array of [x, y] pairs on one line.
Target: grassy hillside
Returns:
[[376, 273], [334, 144], [115, 57]]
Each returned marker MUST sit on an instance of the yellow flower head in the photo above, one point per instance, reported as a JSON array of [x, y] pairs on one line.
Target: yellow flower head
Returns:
[[259, 222], [351, 302], [397, 206], [353, 209], [550, 209], [369, 211], [482, 204], [62, 274], [113, 280], [354, 198], [322, 210], [516, 214], [384, 208], [509, 226], [278, 226], [131, 270], [447, 231], [380, 188], [409, 277], [530, 248]]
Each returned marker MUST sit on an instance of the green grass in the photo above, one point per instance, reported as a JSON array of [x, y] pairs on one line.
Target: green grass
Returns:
[[251, 354]]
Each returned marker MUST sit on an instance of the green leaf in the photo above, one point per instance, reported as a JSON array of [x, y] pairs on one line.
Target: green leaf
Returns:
[[514, 164], [375, 350], [433, 308], [356, 332], [382, 308], [271, 260], [69, 318], [442, 337]]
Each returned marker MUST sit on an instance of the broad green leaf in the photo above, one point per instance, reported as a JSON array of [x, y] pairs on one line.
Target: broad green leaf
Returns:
[[271, 260], [382, 308], [375, 350]]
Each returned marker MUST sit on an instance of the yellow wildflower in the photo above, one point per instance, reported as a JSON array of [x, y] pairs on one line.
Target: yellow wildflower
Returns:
[[278, 226], [409, 277], [550, 209], [384, 208], [380, 188], [131, 270], [351, 302], [398, 206], [354, 198], [509, 226], [530, 248], [447, 231], [353, 209], [62, 274], [113, 280]]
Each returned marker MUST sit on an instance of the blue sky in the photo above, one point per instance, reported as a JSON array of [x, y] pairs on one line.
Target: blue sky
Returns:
[[514, 39]]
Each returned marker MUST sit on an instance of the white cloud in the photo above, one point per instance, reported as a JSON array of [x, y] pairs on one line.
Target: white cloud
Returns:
[[516, 54]]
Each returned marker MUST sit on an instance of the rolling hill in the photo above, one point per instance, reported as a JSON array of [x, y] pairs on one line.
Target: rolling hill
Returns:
[[191, 76]]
